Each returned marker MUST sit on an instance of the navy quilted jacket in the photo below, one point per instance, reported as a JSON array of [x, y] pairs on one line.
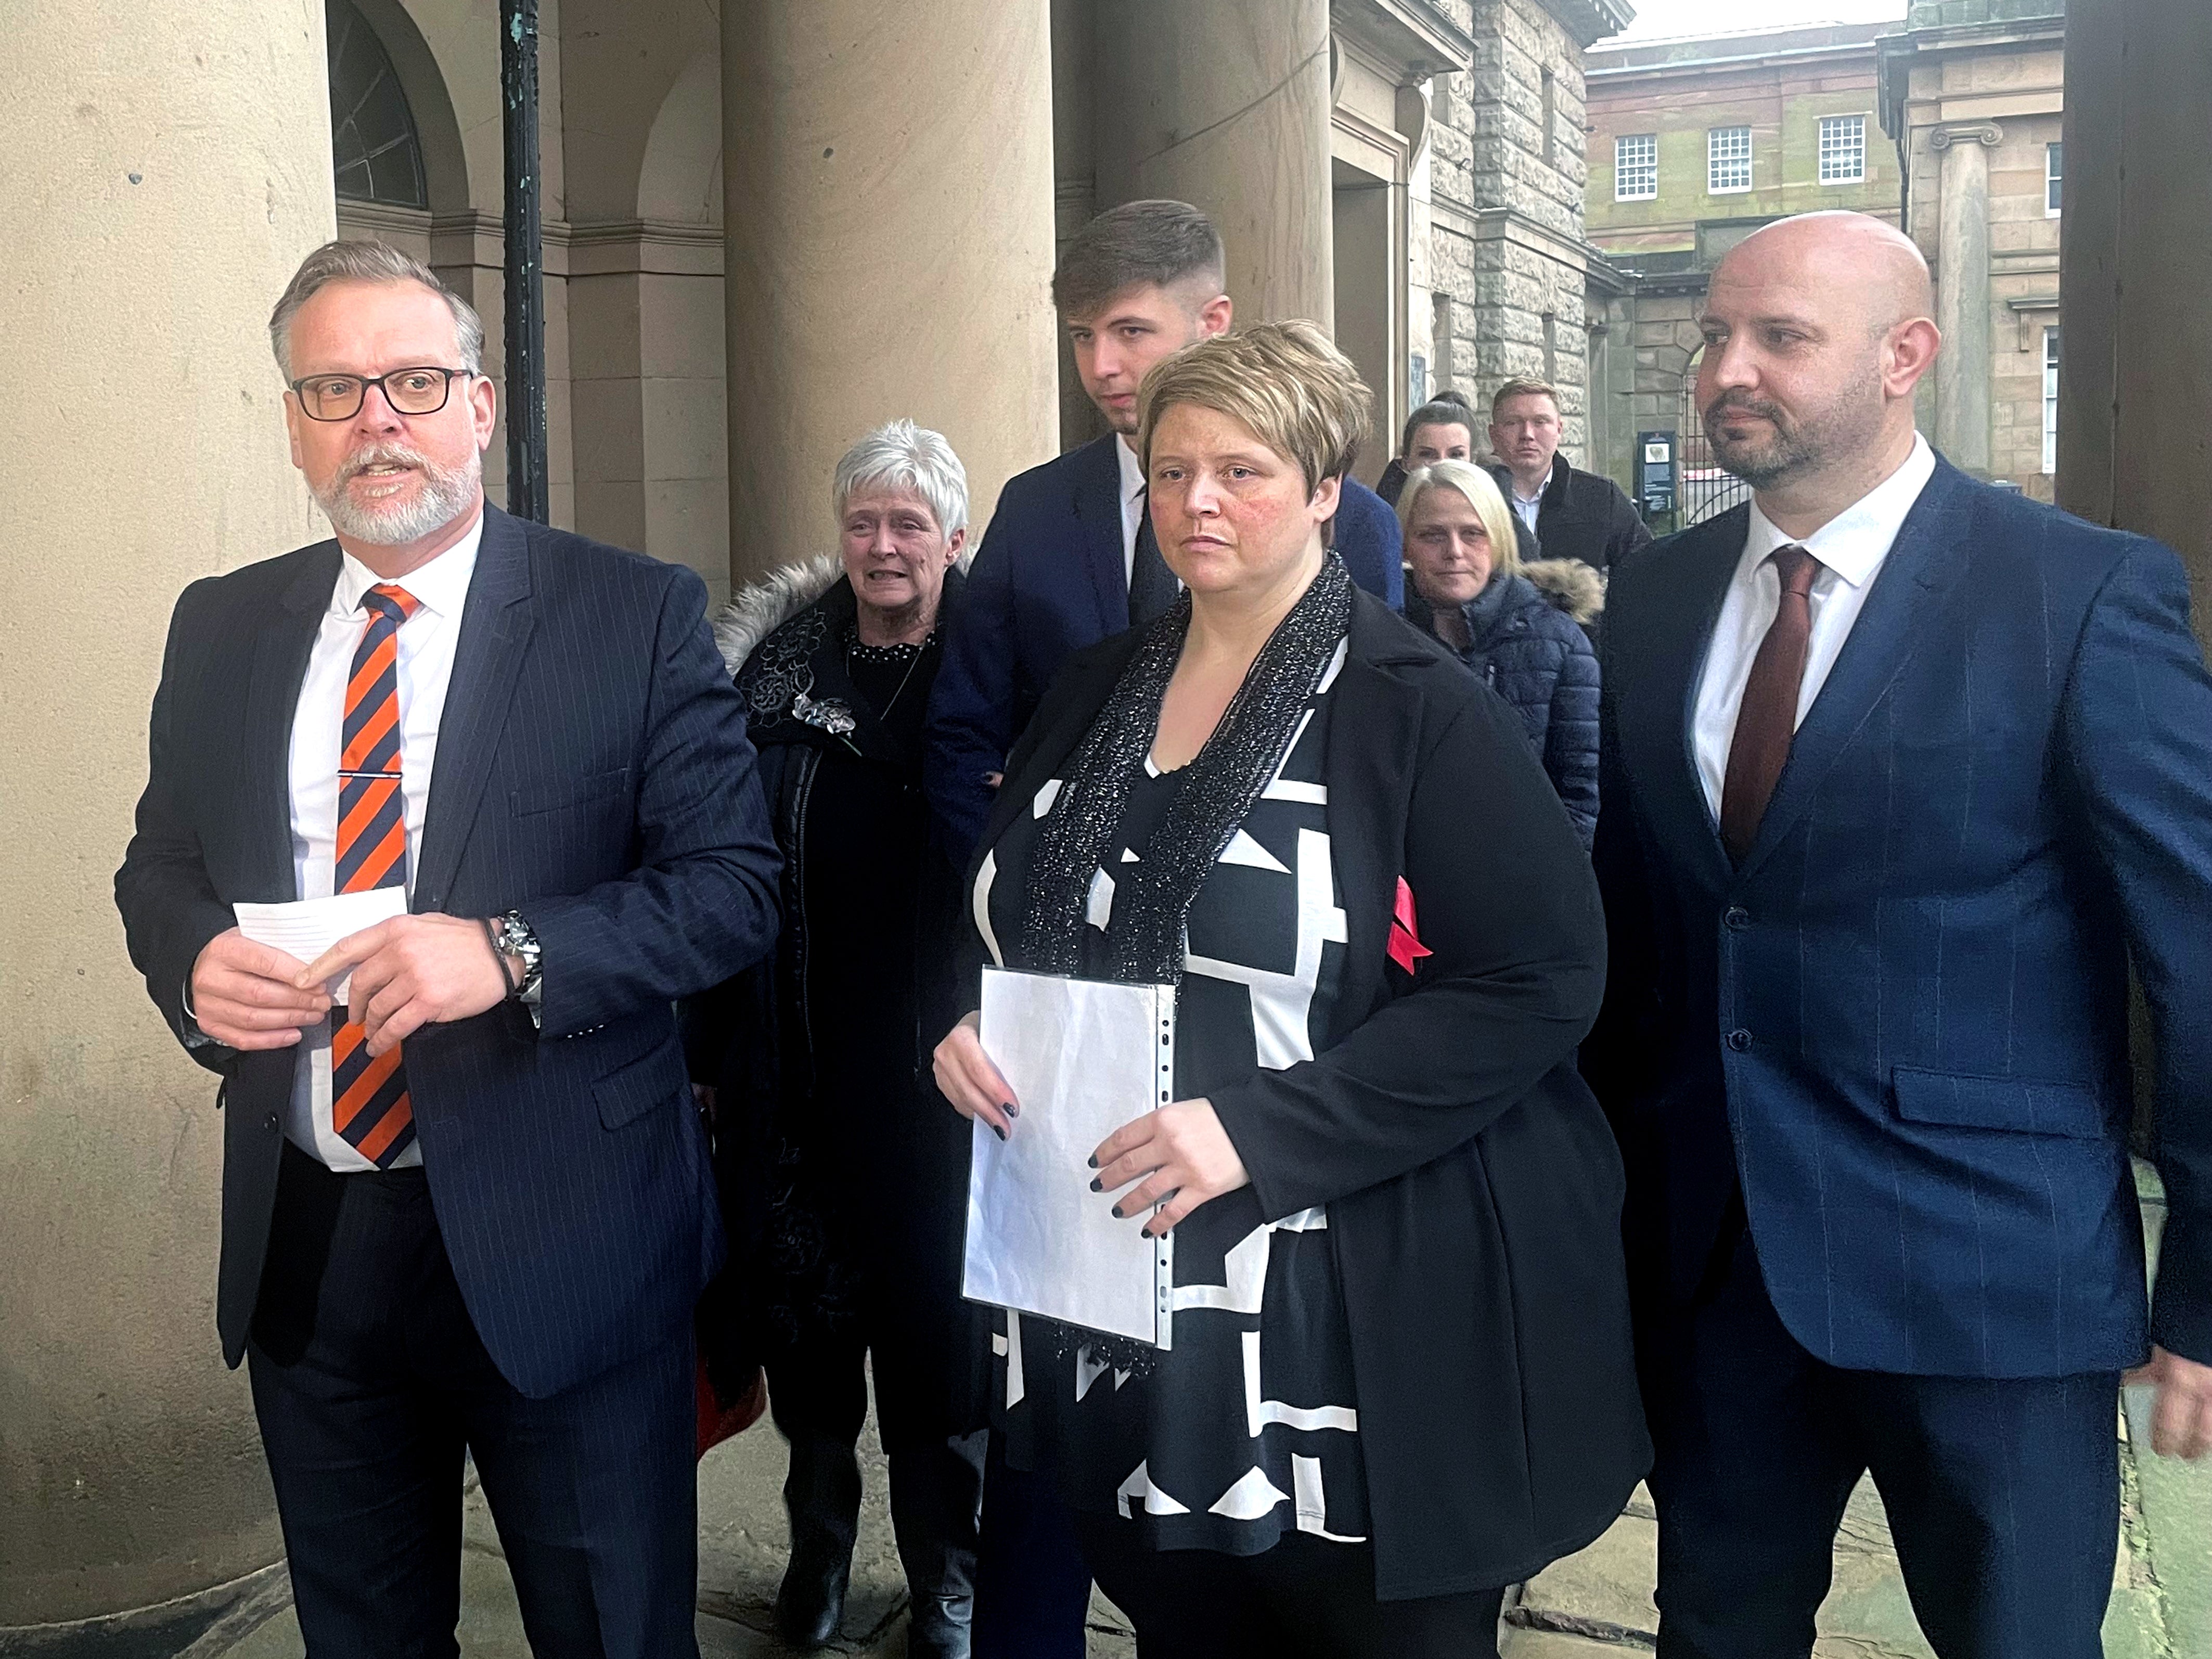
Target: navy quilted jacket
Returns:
[[1529, 647]]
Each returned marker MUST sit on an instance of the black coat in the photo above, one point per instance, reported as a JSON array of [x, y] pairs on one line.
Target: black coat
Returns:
[[1473, 1190], [1583, 516], [1527, 643], [843, 1173]]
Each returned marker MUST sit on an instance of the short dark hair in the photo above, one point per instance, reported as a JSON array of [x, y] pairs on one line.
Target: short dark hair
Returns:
[[1158, 243], [1447, 408]]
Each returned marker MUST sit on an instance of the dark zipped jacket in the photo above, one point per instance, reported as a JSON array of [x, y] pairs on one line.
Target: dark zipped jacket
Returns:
[[1527, 642]]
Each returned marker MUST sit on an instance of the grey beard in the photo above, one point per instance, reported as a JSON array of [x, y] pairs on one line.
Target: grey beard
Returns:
[[446, 492]]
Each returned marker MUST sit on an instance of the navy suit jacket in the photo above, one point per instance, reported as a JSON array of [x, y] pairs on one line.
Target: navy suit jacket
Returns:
[[1900, 1029], [593, 772], [1050, 580]]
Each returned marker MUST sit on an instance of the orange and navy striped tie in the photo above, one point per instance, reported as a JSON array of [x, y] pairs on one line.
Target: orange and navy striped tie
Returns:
[[369, 1106]]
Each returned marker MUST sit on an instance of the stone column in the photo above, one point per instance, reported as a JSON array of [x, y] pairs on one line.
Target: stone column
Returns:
[[888, 193], [1226, 104], [181, 158], [1962, 293]]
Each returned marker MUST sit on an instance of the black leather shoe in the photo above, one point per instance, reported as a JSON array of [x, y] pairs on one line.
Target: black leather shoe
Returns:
[[810, 1604]]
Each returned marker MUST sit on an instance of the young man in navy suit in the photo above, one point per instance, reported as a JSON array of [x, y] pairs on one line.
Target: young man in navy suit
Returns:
[[1901, 774], [1069, 558], [471, 1210]]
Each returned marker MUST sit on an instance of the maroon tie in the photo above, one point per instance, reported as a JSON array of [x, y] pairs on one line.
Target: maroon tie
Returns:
[[1768, 717]]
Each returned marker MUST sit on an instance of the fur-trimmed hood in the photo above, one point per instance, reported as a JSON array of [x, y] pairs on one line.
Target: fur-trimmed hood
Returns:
[[758, 609], [1568, 585]]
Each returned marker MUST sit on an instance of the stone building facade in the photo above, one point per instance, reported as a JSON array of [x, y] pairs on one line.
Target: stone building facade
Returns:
[[1973, 97], [1694, 143], [1507, 258]]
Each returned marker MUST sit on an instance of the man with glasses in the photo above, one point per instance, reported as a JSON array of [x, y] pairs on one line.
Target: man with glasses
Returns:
[[466, 1205]]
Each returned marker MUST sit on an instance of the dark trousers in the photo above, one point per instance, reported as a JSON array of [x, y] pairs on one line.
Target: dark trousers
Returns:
[[1306, 1598], [2002, 1495], [370, 1384], [817, 1393], [1032, 1585]]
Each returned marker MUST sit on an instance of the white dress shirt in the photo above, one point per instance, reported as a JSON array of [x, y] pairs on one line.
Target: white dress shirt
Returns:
[[1528, 507], [1133, 503], [1850, 547], [425, 646]]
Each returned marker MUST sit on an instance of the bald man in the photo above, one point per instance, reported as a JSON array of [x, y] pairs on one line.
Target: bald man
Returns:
[[1899, 772]]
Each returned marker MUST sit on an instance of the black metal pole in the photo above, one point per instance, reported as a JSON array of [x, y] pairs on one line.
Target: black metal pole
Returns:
[[526, 274]]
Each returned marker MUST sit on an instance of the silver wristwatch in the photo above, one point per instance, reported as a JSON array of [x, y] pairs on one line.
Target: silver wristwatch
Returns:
[[517, 940]]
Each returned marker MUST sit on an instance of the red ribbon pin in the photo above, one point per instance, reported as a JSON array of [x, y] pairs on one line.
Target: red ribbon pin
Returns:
[[1405, 947]]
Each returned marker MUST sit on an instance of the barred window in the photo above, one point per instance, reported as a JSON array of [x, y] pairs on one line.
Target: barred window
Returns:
[[1843, 149], [1728, 160], [1636, 168]]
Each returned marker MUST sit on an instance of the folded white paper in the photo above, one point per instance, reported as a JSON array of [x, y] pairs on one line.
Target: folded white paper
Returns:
[[308, 927], [1083, 1058]]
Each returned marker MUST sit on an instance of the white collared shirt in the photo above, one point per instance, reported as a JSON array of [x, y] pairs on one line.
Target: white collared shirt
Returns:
[[425, 642], [1133, 502], [1527, 507], [1851, 547]]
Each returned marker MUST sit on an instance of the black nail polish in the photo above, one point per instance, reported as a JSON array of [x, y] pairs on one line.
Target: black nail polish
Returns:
[[998, 1132], [1097, 1186], [1009, 1108], [1118, 1216], [1094, 1163]]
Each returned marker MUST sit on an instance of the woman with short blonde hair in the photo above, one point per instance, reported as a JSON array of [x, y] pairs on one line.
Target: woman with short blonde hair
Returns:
[[1381, 1168], [1520, 627]]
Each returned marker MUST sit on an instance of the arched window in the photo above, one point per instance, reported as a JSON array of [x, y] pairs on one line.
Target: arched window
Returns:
[[374, 151]]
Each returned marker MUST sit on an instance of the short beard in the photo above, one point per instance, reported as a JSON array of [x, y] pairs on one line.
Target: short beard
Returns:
[[1833, 432], [446, 492]]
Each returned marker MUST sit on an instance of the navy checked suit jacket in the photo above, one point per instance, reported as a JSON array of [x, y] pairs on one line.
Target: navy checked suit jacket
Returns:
[[593, 771], [1900, 1029], [1049, 580]]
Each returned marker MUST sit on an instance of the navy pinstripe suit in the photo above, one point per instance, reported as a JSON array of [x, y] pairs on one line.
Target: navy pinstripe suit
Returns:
[[1873, 1085], [592, 771]]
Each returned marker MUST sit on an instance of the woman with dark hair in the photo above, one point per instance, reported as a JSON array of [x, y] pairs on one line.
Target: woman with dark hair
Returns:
[[1401, 1376], [1440, 429], [844, 1178]]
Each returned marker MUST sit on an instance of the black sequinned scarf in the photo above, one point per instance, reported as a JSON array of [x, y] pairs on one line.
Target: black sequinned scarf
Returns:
[[1153, 897]]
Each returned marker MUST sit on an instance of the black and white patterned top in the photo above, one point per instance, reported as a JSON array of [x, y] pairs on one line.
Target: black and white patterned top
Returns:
[[1247, 1428]]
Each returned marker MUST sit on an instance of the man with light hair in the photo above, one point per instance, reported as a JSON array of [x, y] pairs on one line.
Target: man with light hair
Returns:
[[467, 1208], [1901, 773], [1573, 513]]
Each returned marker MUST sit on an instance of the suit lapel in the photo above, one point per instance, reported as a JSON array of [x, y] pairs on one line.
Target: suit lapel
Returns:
[[496, 622], [1923, 563], [1659, 720], [282, 645], [1098, 508]]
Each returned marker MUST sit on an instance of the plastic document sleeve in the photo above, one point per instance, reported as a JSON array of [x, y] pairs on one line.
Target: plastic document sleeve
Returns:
[[1083, 1057]]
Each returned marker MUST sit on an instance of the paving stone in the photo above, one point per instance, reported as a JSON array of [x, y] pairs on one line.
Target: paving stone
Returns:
[[1551, 1644]]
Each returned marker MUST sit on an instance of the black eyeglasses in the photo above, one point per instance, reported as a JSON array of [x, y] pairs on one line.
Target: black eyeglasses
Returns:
[[409, 391]]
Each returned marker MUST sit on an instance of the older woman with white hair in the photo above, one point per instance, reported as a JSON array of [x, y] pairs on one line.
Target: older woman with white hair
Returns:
[[1520, 626], [843, 1179]]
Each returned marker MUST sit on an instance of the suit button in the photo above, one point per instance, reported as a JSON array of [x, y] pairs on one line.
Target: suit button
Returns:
[[1737, 918], [269, 1123], [1739, 1040]]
